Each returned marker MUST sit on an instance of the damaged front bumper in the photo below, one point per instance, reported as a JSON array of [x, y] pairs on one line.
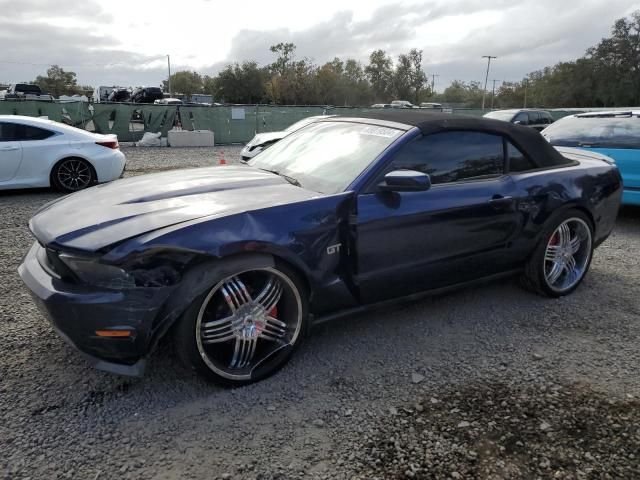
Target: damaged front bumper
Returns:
[[78, 312]]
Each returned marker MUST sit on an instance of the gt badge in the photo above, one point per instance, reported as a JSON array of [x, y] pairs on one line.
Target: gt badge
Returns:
[[331, 249]]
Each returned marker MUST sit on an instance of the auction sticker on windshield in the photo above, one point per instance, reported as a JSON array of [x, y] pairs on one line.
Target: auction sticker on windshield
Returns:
[[380, 131]]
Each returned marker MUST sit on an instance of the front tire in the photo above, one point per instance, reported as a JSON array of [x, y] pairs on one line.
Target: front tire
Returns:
[[563, 256], [72, 174], [245, 327]]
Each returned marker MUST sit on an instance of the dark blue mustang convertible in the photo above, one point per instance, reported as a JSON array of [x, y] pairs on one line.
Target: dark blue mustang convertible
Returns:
[[235, 262]]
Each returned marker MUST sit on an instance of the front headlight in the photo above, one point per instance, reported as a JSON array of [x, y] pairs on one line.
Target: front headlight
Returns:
[[90, 271]]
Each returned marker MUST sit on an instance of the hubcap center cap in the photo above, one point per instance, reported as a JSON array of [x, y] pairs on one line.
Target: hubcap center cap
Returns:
[[250, 321]]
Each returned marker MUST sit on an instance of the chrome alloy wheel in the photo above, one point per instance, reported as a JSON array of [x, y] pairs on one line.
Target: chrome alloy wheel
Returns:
[[247, 320], [74, 174], [567, 254]]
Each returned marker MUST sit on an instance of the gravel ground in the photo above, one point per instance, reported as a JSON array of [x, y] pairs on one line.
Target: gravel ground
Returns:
[[491, 382]]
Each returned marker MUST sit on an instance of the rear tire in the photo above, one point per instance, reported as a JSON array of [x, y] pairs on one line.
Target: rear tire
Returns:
[[563, 256], [72, 175], [244, 327]]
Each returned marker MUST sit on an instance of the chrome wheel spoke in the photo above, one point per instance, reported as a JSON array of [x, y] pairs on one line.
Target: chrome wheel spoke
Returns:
[[552, 253], [575, 244], [243, 352], [218, 331], [555, 272], [270, 295], [216, 323], [235, 293], [565, 235], [571, 268], [274, 329]]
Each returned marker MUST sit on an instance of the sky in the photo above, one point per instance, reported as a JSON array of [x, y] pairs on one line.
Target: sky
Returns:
[[123, 42]]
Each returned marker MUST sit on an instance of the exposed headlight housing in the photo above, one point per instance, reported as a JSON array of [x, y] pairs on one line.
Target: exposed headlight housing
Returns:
[[91, 271], [155, 269]]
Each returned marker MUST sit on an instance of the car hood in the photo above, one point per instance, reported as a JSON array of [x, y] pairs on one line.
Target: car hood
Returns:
[[262, 138], [106, 214]]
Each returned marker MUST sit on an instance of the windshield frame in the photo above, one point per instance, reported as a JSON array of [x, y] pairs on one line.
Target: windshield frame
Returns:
[[358, 182]]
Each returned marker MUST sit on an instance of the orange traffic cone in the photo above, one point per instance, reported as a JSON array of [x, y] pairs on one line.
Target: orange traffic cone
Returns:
[[222, 160]]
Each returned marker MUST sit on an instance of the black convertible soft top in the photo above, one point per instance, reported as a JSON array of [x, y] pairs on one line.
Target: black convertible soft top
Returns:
[[526, 139]]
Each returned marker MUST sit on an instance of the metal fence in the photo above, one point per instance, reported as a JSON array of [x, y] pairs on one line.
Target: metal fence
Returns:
[[231, 124]]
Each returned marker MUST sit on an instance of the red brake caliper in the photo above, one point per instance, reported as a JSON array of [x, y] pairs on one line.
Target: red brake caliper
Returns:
[[274, 312]]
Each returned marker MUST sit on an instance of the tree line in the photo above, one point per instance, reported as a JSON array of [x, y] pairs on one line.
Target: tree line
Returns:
[[291, 81], [608, 75]]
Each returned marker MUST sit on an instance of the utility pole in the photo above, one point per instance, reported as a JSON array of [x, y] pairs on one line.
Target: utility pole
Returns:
[[493, 92], [526, 84], [486, 78], [433, 83], [169, 81]]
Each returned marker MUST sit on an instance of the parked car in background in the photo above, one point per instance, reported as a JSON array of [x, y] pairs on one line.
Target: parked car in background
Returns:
[[538, 119], [101, 93], [35, 152], [402, 104], [146, 94], [26, 91], [615, 134], [168, 101], [119, 95], [262, 141], [235, 262], [431, 105]]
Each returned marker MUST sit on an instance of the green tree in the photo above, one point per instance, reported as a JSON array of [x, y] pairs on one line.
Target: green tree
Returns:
[[286, 53], [185, 82], [380, 74], [58, 82], [401, 80], [417, 77], [238, 83]]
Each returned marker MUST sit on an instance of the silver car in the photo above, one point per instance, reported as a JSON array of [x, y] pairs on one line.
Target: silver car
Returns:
[[262, 141]]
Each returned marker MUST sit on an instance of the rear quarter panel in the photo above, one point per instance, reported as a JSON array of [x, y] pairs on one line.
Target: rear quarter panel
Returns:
[[592, 186]]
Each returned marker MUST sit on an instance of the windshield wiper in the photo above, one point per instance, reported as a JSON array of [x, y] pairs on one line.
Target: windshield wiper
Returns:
[[289, 179]]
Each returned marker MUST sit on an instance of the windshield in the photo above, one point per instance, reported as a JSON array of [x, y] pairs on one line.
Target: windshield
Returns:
[[326, 157], [504, 116], [611, 132]]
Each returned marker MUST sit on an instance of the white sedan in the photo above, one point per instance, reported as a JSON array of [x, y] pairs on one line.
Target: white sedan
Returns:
[[35, 152], [262, 141]]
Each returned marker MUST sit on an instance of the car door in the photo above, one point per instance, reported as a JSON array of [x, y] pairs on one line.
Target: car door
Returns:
[[10, 151], [452, 233], [37, 149]]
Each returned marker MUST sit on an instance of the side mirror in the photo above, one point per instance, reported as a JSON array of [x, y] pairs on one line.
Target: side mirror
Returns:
[[405, 181], [518, 122]]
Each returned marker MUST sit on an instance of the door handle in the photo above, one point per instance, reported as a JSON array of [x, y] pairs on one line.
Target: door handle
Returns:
[[9, 149], [501, 203]]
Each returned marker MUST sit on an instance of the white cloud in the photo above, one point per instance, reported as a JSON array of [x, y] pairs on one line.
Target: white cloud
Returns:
[[203, 35]]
